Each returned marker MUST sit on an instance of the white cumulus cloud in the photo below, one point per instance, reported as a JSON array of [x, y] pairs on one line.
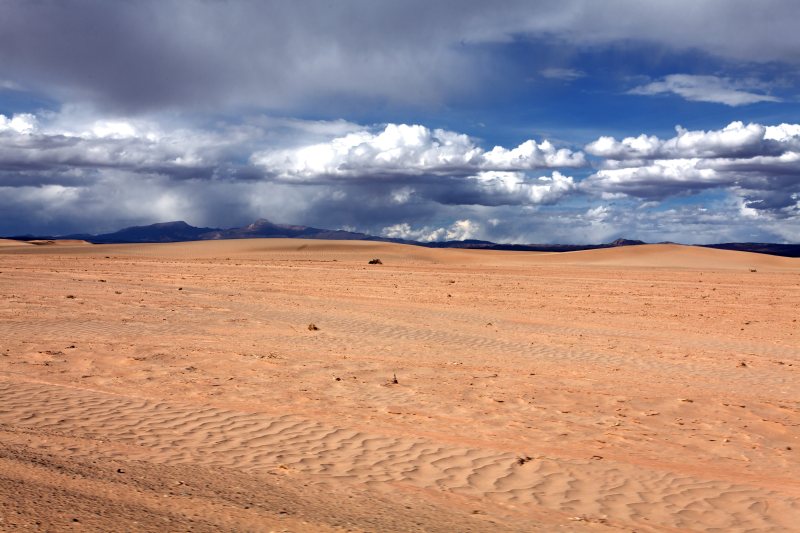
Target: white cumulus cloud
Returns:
[[736, 139], [458, 231], [408, 150], [22, 123], [761, 164], [516, 188]]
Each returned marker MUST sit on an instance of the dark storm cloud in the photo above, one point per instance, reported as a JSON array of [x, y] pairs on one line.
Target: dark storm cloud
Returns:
[[148, 55], [40, 159], [152, 54]]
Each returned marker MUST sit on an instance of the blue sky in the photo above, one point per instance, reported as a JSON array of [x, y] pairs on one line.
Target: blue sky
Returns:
[[570, 121]]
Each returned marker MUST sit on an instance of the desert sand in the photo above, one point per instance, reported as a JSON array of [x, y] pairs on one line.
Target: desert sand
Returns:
[[10, 242], [174, 387], [57, 242], [39, 242]]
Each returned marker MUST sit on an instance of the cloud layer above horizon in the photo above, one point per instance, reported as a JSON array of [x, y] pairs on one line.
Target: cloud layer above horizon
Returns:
[[545, 121], [58, 171]]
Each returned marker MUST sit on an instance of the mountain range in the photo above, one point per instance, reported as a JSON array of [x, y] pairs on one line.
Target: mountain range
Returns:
[[180, 231]]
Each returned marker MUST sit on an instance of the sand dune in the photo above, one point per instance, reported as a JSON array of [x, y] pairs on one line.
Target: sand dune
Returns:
[[11, 242], [47, 243], [59, 242], [648, 388], [672, 256], [647, 256]]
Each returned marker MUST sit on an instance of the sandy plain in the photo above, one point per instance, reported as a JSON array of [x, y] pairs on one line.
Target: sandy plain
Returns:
[[174, 387]]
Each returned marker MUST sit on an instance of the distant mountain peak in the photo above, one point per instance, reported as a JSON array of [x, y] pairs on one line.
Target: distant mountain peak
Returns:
[[172, 224], [260, 223], [626, 242]]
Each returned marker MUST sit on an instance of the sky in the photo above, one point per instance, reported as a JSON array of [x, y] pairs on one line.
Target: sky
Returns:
[[569, 121]]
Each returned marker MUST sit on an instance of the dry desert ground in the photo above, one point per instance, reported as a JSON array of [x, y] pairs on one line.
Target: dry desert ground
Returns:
[[176, 387]]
